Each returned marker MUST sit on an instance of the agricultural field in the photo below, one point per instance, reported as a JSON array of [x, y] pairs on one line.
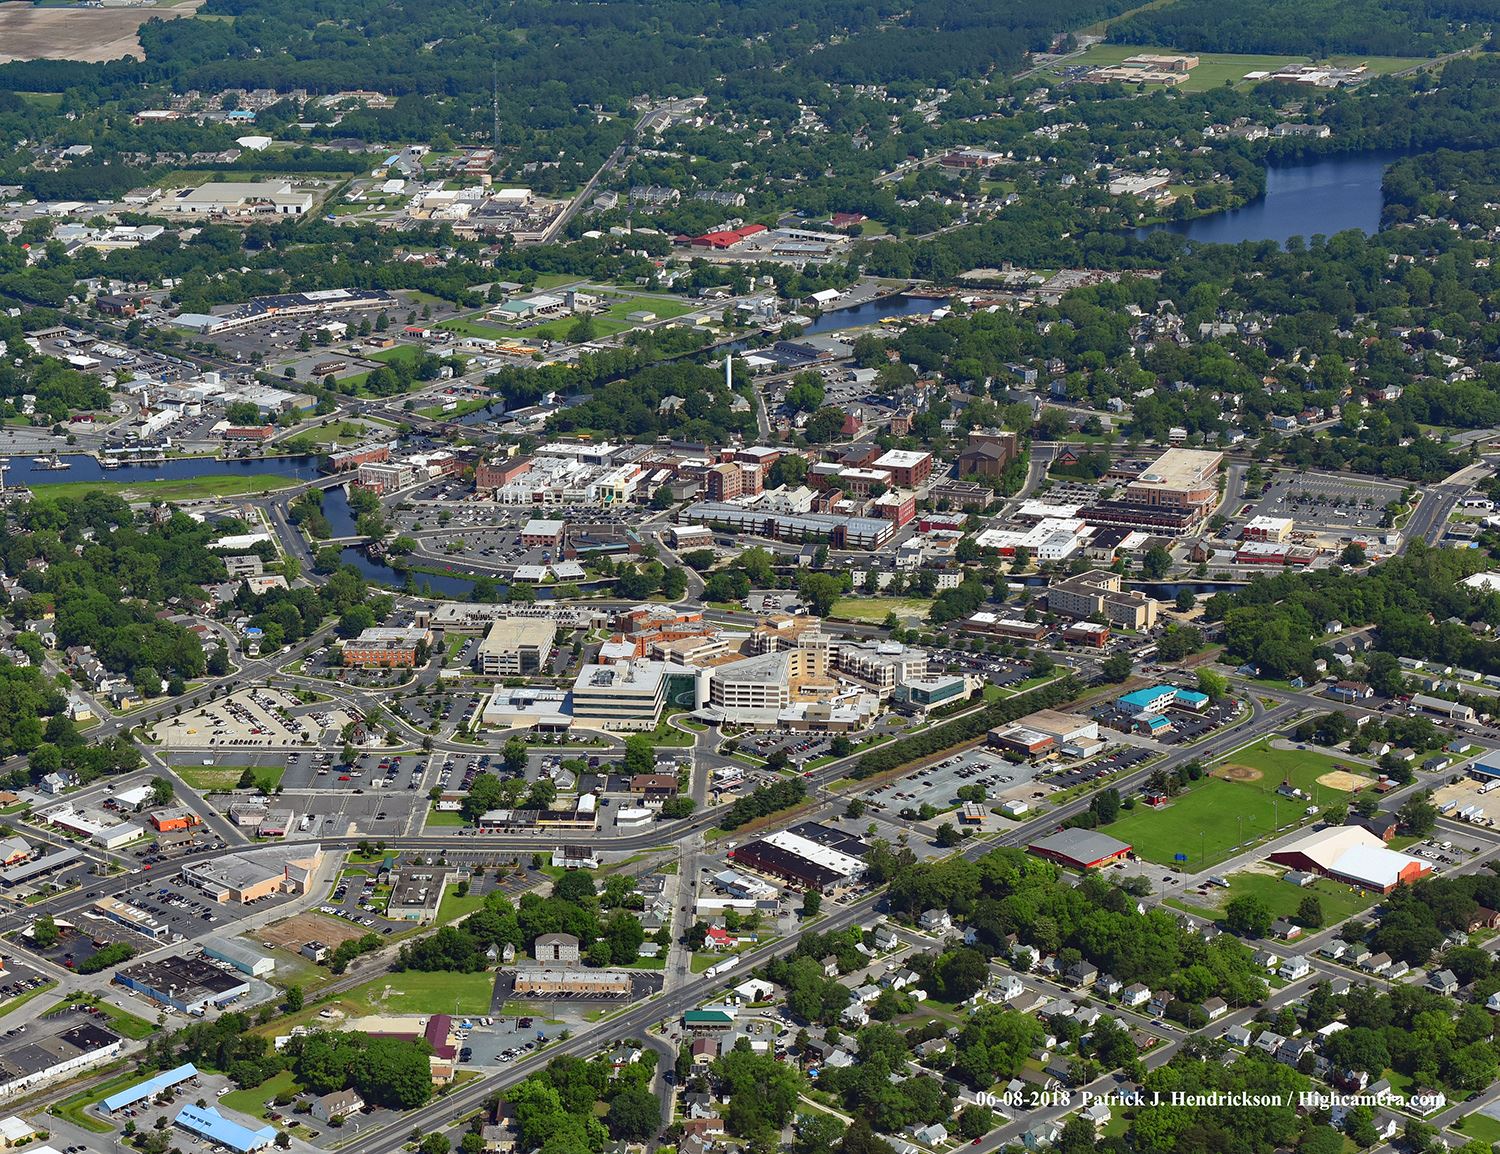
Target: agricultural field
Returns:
[[91, 35]]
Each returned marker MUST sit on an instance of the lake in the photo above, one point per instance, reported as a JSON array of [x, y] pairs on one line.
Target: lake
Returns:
[[1325, 194]]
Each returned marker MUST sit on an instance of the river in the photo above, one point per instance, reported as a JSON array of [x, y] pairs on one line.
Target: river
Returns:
[[872, 312], [1324, 194], [25, 471]]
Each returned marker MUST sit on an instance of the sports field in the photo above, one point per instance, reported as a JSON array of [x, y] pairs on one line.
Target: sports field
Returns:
[[1325, 778], [1215, 69], [1232, 809]]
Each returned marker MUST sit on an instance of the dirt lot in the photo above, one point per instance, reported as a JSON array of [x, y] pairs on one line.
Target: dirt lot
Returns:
[[1342, 779], [91, 35], [1231, 772], [293, 933]]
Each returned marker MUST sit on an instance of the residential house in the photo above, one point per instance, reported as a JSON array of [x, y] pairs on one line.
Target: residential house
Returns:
[[1443, 982]]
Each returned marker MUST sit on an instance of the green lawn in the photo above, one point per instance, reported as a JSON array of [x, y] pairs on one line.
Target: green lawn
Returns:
[[183, 489], [1205, 823], [444, 818], [1480, 1126], [72, 1108], [453, 906], [468, 328], [461, 409], [665, 734], [409, 992], [1302, 767], [267, 777], [875, 609], [665, 308], [1283, 898], [256, 1100], [560, 329], [397, 354]]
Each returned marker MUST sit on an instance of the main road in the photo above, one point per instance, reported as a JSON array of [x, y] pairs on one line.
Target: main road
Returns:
[[859, 912]]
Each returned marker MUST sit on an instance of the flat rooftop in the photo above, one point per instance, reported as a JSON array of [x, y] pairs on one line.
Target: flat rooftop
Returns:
[[1181, 468]]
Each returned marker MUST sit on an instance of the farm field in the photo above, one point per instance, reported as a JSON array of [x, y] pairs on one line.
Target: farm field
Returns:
[[91, 35]]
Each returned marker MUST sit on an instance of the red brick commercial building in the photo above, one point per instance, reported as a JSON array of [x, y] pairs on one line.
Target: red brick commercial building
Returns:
[[346, 459], [386, 648], [907, 469], [249, 432], [491, 475], [541, 533]]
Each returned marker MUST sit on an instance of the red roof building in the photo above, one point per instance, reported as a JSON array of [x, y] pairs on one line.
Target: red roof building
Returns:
[[723, 239]]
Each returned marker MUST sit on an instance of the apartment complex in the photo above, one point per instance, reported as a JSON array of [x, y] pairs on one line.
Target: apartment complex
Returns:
[[1100, 595]]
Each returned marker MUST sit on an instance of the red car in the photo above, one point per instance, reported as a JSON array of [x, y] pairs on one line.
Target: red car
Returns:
[[343, 777]]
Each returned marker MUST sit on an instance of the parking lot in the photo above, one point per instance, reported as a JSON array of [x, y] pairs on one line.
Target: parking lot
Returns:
[[937, 785], [17, 980], [500, 1041], [1317, 501], [185, 910], [1116, 761], [268, 718]]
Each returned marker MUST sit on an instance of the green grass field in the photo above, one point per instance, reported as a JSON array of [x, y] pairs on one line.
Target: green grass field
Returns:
[[452, 906], [1206, 823], [185, 489], [1283, 898], [443, 820], [1301, 767], [409, 992], [256, 1100], [1480, 1126], [268, 777], [1215, 69], [466, 327], [397, 354], [875, 609]]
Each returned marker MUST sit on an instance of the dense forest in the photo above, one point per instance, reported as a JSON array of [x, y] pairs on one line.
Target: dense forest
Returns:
[[1311, 27]]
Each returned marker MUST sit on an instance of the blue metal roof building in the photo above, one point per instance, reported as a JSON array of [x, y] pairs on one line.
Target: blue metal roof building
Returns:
[[208, 1123], [1486, 766], [1152, 700], [1191, 698], [150, 1088]]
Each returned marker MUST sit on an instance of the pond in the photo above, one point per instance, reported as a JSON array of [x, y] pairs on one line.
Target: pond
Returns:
[[1324, 194]]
